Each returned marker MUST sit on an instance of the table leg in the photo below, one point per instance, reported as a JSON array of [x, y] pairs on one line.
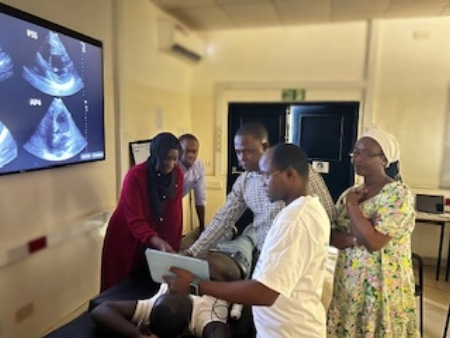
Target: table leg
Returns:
[[441, 240], [448, 262]]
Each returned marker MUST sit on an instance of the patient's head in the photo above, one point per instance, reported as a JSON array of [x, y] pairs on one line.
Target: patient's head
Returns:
[[171, 315]]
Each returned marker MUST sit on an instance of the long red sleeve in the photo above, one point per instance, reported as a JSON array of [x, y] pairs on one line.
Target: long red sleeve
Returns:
[[134, 211]]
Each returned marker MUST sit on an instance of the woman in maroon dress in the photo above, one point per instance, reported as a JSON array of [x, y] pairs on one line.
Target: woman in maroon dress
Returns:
[[149, 213]]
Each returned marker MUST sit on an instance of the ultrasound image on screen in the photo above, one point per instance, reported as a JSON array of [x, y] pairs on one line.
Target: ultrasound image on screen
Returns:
[[57, 137], [51, 95], [8, 146], [53, 71], [6, 65]]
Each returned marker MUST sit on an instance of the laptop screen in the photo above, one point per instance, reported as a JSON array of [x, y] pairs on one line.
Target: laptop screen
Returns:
[[433, 204]]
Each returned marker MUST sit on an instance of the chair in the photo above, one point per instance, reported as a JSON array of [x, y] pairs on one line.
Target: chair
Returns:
[[418, 292]]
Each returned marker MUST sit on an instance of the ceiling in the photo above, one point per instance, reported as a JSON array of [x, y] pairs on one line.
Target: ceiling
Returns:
[[231, 14]]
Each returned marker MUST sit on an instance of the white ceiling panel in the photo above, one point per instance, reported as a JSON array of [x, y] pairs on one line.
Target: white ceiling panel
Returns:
[[360, 8], [298, 11], [344, 10], [252, 15], [407, 8], [205, 18], [240, 2], [186, 3], [417, 1], [446, 11], [228, 14]]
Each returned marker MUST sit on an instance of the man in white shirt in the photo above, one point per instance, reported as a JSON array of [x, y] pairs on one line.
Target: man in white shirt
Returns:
[[194, 175], [286, 286]]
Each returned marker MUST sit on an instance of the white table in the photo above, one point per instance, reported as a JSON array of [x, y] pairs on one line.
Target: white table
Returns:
[[441, 220]]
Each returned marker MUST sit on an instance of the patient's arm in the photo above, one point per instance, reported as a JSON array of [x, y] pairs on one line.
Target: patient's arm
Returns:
[[245, 292], [115, 317], [217, 330]]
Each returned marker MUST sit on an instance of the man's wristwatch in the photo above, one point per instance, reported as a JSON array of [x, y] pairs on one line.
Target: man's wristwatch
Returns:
[[194, 287]]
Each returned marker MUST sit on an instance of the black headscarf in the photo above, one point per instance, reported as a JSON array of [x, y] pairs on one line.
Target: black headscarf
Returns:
[[160, 186]]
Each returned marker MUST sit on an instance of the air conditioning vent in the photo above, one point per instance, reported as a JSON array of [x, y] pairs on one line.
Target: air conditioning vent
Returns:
[[186, 53], [178, 40]]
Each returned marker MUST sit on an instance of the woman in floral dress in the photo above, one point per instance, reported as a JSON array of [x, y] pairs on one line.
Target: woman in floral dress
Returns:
[[374, 281]]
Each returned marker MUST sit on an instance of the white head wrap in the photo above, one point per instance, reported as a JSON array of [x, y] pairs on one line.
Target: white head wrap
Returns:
[[387, 142]]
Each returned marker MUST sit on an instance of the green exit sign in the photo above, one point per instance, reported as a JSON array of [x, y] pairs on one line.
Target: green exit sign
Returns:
[[293, 94]]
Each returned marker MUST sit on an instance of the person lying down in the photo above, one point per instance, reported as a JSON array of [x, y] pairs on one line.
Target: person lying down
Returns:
[[171, 315]]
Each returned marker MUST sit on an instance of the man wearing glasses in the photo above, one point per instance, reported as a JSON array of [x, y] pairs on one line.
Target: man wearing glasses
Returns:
[[286, 287]]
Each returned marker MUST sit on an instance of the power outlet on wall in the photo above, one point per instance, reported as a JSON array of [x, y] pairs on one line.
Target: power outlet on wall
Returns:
[[24, 312]]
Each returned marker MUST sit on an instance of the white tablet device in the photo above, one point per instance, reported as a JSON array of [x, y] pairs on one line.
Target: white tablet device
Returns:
[[159, 262]]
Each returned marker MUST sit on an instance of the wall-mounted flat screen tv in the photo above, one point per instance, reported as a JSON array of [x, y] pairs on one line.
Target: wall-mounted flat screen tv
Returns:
[[51, 94]]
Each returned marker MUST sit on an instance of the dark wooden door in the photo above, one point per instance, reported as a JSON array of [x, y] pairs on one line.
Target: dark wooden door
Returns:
[[327, 132]]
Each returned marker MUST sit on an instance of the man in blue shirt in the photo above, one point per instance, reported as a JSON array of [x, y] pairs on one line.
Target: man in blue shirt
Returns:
[[194, 174]]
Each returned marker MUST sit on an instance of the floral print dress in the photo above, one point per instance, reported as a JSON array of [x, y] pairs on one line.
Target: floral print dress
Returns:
[[374, 291]]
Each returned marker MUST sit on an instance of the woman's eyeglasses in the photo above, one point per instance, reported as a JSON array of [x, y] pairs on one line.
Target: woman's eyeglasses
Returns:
[[365, 155]]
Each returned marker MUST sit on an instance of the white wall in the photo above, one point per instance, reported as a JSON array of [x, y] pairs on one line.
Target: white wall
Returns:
[[412, 93]]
